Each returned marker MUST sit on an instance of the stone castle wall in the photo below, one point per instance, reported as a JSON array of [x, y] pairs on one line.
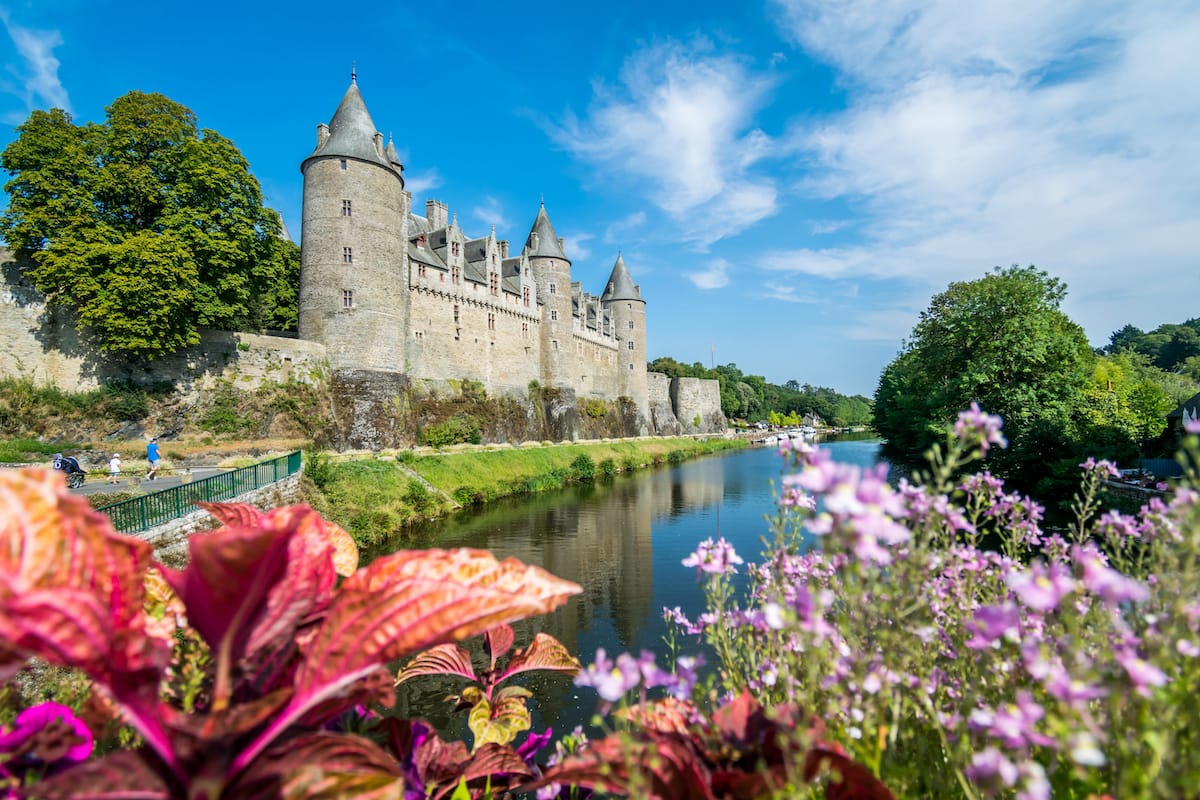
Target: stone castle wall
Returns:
[[41, 343], [697, 405]]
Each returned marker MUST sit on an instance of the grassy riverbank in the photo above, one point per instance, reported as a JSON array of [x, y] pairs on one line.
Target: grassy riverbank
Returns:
[[374, 498]]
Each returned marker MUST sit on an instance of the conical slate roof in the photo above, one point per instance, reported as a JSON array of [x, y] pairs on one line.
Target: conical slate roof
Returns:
[[351, 131], [547, 239], [620, 284], [391, 153]]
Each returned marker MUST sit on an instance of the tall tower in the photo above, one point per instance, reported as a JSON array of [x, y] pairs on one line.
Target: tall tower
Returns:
[[353, 269], [552, 275], [624, 301]]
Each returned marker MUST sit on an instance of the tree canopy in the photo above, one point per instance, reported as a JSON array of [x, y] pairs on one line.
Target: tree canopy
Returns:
[[751, 398], [148, 227], [1000, 341]]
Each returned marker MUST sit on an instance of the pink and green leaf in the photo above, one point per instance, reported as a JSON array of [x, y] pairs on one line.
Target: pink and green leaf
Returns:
[[544, 653], [501, 720], [444, 659]]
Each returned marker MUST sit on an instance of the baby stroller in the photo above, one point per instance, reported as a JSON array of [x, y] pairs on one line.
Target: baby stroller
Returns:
[[68, 464]]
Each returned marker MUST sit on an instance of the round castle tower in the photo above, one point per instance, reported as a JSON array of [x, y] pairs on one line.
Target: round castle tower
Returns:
[[624, 301], [353, 282], [552, 275]]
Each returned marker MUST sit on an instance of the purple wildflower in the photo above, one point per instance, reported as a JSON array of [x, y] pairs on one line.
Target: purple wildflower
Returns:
[[48, 733], [716, 558], [974, 424], [1102, 468], [1142, 674], [993, 623], [611, 681], [1041, 588], [1109, 585], [991, 771]]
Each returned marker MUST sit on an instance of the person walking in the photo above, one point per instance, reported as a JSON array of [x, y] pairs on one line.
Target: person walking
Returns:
[[114, 469], [153, 457]]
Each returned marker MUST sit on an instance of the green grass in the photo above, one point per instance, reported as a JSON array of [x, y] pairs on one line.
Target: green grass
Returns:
[[31, 451], [374, 499]]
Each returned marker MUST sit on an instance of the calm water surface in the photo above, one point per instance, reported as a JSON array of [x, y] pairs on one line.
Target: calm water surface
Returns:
[[623, 543]]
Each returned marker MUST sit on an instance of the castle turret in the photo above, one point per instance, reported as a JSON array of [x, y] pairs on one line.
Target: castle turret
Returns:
[[623, 299], [353, 267], [552, 275]]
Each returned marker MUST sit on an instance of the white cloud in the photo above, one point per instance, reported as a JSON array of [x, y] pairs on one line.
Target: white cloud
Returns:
[[37, 74], [680, 121], [622, 227], [715, 275], [419, 183], [491, 213], [573, 244], [1059, 134]]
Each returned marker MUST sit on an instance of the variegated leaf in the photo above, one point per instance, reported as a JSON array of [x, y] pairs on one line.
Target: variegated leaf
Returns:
[[500, 721], [544, 653], [444, 659]]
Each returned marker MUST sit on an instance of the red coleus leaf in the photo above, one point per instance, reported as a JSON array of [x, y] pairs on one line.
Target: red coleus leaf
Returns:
[[848, 780], [71, 592], [496, 642], [404, 602], [322, 764], [545, 653], [445, 659], [659, 766], [122, 774]]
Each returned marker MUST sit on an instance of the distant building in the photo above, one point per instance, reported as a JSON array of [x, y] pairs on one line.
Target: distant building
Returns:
[[387, 290]]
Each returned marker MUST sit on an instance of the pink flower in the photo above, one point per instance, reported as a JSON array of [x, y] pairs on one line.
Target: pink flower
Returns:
[[974, 425], [1109, 585], [991, 771], [1041, 588], [716, 558], [1103, 468], [57, 722], [1142, 674]]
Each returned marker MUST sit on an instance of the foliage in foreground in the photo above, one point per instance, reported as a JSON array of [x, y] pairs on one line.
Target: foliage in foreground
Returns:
[[1063, 665], [250, 673]]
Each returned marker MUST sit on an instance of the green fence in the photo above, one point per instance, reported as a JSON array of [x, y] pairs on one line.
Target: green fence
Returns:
[[145, 512]]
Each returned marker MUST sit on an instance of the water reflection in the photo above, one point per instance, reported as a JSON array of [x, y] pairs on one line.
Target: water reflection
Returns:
[[623, 543]]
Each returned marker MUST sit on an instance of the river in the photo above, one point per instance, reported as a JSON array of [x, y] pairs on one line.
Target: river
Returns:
[[623, 542]]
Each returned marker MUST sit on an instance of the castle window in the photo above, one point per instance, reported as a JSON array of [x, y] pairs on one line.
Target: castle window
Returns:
[[631, 344], [347, 298], [494, 283], [524, 330], [345, 208], [421, 242], [493, 258], [344, 164], [554, 344], [630, 324], [420, 270], [491, 322], [347, 255], [629, 306], [456, 315], [454, 275], [631, 366], [525, 296], [554, 315], [553, 289], [454, 248]]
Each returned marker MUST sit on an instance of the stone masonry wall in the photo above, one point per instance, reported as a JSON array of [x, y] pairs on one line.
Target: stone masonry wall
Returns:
[[698, 401], [40, 342], [663, 421]]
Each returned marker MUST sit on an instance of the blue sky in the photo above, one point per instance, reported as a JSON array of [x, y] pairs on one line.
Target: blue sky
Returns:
[[789, 181]]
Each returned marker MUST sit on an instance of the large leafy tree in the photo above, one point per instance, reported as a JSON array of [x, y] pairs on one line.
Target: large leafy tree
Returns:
[[1003, 342], [148, 227]]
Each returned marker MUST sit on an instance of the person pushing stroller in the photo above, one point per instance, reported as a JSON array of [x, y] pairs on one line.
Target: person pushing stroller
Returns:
[[70, 466]]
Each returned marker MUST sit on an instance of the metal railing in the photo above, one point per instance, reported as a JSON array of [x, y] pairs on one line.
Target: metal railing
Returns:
[[142, 513]]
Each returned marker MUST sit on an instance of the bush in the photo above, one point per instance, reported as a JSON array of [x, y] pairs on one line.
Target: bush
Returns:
[[418, 497], [463, 429], [676, 457], [608, 468], [468, 496], [583, 468], [318, 467]]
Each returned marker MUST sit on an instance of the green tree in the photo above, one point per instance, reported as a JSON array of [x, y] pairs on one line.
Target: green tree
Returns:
[[148, 227], [1000, 341]]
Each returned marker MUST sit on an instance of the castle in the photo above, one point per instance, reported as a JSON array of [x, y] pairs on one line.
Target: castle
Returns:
[[387, 290], [394, 306]]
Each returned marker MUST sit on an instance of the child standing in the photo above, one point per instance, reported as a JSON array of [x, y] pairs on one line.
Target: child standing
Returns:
[[114, 469]]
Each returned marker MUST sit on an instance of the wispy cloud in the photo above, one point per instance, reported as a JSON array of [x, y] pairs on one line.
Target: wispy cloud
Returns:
[[680, 122], [714, 275], [1012, 131], [418, 183], [622, 227], [574, 244], [36, 75], [490, 212]]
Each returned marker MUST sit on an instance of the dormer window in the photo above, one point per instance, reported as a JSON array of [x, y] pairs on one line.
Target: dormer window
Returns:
[[421, 242], [454, 248]]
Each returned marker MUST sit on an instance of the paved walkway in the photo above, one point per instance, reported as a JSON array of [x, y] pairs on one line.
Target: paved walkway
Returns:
[[96, 481]]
